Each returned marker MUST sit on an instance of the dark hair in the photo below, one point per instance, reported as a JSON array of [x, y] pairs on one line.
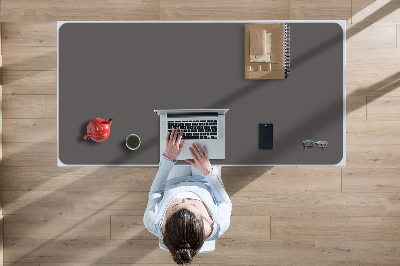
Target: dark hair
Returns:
[[184, 235]]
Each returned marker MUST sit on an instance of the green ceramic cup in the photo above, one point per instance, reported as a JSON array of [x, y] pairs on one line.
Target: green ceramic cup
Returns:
[[132, 142]]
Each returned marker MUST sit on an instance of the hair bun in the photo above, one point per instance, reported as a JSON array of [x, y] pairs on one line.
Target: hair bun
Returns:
[[184, 246], [183, 256]]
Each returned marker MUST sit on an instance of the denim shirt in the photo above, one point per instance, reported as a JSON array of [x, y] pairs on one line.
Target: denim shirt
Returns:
[[209, 188]]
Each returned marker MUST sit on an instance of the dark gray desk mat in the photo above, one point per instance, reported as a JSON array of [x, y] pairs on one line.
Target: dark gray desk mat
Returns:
[[127, 70]]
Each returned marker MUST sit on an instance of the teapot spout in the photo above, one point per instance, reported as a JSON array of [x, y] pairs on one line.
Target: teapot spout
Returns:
[[109, 121], [88, 136]]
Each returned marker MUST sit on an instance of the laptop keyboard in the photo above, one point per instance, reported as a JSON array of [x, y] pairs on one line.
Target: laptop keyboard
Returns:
[[196, 129]]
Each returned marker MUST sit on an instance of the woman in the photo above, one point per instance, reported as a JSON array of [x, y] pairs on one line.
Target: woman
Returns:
[[186, 209]]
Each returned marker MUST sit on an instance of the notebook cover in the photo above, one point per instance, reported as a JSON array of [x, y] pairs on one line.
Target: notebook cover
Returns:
[[278, 65], [265, 136]]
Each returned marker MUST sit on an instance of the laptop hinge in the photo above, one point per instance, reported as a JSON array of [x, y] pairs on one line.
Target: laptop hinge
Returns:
[[192, 114]]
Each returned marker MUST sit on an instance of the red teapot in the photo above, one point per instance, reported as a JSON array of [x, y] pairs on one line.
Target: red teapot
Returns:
[[98, 129]]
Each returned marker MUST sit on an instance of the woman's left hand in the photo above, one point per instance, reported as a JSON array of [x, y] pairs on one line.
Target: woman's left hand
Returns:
[[174, 147]]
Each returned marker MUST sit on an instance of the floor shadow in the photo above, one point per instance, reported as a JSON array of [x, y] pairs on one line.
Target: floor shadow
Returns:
[[134, 260], [96, 174], [49, 242], [236, 178], [373, 18], [49, 57], [380, 88]]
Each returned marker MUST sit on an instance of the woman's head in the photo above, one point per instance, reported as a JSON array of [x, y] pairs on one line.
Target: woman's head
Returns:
[[184, 235]]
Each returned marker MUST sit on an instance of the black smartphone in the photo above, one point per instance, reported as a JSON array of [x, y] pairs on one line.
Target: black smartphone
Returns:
[[265, 136]]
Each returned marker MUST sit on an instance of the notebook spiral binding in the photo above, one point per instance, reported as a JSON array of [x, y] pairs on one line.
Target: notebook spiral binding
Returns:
[[286, 48]]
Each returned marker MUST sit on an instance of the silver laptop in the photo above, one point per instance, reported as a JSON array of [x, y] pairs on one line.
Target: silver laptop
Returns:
[[205, 127]]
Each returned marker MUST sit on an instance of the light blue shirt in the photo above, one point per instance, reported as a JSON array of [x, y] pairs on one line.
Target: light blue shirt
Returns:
[[208, 188]]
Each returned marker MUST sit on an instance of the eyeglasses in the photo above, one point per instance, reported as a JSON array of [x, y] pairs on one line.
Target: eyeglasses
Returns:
[[310, 143]]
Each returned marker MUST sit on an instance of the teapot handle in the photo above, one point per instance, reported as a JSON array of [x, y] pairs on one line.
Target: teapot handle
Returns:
[[87, 136]]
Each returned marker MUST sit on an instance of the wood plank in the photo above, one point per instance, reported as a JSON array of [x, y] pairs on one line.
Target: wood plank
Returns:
[[30, 130], [1, 164], [320, 9], [56, 178], [371, 180], [110, 203], [51, 106], [248, 227], [257, 205], [129, 227], [372, 156], [33, 202], [376, 132], [308, 204], [368, 12], [148, 251], [21, 264], [372, 84], [50, 226], [84, 251], [85, 10], [383, 108], [30, 154], [116, 178], [393, 204], [1, 238], [335, 228], [24, 106], [29, 82], [359, 5], [224, 10], [29, 34], [379, 264], [110, 264], [283, 179], [256, 252], [363, 252], [246, 203], [314, 264], [386, 58], [29, 58], [384, 37], [356, 108], [241, 227]]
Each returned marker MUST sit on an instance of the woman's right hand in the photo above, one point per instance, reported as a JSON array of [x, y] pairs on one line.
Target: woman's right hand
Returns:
[[200, 159]]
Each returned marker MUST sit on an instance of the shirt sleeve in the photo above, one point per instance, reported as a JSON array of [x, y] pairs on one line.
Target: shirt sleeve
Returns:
[[224, 204], [156, 194]]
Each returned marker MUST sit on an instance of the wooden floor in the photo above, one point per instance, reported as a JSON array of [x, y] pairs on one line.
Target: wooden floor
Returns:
[[281, 215]]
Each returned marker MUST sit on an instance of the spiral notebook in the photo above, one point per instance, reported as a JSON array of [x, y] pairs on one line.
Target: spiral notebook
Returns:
[[267, 51]]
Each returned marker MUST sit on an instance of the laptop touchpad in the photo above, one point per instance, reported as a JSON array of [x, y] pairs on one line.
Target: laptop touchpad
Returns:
[[186, 151]]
